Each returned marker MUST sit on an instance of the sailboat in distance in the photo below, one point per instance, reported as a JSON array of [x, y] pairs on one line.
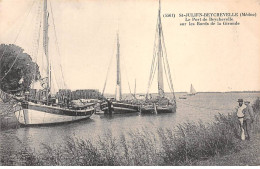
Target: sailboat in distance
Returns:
[[117, 105], [160, 103], [43, 108], [192, 91]]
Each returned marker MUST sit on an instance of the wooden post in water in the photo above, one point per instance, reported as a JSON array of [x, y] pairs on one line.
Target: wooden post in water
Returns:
[[155, 108]]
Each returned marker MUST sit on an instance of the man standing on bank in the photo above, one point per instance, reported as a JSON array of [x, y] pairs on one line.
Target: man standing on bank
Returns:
[[248, 119], [241, 116]]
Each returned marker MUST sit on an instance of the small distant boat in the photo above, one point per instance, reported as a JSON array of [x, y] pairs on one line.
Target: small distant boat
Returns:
[[182, 97], [192, 91], [160, 103]]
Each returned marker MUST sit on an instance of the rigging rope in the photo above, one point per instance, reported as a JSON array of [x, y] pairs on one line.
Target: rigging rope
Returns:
[[153, 74], [38, 43], [156, 64], [54, 77], [152, 66], [168, 67], [18, 33], [108, 69], [166, 73], [127, 77], [57, 47], [164, 60], [152, 70]]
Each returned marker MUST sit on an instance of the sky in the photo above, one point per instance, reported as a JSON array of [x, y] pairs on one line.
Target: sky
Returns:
[[212, 58]]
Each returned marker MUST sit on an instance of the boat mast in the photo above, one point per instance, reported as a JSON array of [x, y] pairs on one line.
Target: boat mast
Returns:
[[160, 68], [118, 82], [46, 45], [135, 89]]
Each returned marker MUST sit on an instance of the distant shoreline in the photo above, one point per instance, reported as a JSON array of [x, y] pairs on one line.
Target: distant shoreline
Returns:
[[187, 92], [232, 92]]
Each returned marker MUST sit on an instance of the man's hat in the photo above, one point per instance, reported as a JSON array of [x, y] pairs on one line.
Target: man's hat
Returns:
[[240, 100]]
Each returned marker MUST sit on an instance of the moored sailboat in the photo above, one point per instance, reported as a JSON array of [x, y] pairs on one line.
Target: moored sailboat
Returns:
[[117, 105], [43, 107], [160, 104]]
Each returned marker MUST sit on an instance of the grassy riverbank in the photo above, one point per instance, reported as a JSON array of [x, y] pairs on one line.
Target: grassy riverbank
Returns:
[[215, 143], [248, 154]]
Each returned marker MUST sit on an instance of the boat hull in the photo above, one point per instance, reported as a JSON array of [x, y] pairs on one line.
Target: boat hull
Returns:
[[35, 114], [120, 108], [158, 110]]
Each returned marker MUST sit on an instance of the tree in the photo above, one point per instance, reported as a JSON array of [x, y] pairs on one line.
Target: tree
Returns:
[[17, 70]]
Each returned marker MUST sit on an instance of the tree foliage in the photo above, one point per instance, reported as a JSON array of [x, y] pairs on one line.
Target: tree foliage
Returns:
[[22, 73]]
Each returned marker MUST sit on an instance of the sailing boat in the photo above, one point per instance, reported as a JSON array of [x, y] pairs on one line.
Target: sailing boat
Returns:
[[192, 91], [160, 104], [44, 110], [118, 105]]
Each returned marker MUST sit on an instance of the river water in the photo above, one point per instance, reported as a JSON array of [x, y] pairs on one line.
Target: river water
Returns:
[[203, 106]]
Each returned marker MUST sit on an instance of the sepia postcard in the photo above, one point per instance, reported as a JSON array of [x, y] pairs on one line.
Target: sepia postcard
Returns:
[[129, 83]]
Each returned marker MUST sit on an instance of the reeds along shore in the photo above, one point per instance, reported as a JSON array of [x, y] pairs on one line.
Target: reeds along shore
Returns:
[[188, 143]]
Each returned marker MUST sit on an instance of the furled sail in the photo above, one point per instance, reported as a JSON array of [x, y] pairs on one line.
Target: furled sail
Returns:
[[160, 76], [118, 82], [160, 61], [51, 75]]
